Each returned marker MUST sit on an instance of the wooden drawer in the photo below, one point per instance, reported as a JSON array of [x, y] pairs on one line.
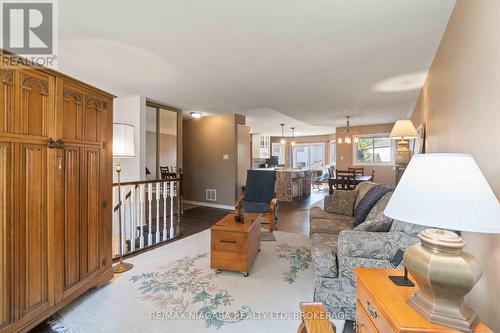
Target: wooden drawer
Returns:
[[363, 323], [229, 242], [370, 309]]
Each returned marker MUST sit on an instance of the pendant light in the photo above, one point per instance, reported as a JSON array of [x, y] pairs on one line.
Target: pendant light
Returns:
[[349, 137], [282, 141], [293, 136]]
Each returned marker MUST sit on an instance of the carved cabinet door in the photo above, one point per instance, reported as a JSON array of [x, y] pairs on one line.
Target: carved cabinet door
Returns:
[[81, 121], [27, 130]]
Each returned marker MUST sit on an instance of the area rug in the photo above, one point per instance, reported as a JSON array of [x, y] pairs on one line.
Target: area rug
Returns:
[[173, 289]]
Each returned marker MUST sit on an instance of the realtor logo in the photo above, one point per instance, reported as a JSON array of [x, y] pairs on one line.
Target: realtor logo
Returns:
[[29, 29]]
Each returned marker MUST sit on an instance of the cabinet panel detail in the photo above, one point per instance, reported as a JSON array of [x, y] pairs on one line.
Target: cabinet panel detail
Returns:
[[34, 104], [72, 114], [33, 228], [71, 216], [92, 210], [6, 100], [5, 235]]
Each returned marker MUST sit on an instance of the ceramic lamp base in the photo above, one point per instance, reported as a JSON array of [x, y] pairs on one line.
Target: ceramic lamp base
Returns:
[[444, 274], [403, 153]]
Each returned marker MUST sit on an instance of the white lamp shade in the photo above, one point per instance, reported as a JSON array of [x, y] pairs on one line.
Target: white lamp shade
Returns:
[[404, 129], [446, 191], [123, 140]]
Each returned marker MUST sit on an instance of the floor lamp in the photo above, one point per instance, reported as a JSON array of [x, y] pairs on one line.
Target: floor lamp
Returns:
[[123, 147]]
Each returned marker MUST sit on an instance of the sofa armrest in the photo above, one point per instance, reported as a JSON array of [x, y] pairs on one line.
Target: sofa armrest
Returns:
[[373, 245]]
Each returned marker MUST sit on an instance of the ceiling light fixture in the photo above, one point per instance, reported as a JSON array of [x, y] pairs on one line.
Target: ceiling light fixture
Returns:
[[196, 115], [348, 136], [293, 136], [282, 141]]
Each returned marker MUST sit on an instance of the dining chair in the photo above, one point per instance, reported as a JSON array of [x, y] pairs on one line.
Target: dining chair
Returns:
[[345, 180], [360, 171]]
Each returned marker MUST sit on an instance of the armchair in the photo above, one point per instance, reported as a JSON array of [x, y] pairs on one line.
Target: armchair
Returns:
[[259, 196]]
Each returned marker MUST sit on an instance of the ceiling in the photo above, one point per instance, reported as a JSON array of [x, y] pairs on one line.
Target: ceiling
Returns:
[[305, 63]]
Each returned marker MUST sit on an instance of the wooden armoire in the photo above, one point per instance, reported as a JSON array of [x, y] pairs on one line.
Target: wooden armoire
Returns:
[[55, 193]]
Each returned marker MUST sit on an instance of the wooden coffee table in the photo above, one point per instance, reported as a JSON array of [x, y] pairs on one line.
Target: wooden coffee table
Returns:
[[234, 245]]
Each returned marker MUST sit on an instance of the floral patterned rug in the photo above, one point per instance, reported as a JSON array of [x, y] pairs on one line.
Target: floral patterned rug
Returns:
[[173, 289]]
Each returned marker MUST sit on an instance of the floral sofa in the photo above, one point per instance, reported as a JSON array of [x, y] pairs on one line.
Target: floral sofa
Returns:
[[337, 248]]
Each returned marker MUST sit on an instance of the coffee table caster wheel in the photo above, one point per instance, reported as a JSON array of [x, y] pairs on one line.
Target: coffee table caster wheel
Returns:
[[246, 274], [218, 271]]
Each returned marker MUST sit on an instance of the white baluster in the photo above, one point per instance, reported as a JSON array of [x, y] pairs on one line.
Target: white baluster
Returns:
[[150, 199], [157, 212], [124, 220], [164, 211], [133, 218], [142, 197], [172, 195]]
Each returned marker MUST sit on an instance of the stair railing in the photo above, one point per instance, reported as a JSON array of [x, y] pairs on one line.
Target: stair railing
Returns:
[[151, 212]]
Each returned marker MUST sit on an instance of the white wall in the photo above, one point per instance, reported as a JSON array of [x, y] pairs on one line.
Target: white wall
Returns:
[[132, 110]]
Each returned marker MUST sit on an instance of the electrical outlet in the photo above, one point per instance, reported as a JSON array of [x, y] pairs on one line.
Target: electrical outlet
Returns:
[[225, 156]]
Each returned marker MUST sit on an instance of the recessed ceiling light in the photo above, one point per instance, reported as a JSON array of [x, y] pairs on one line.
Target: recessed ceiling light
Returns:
[[196, 115], [407, 82]]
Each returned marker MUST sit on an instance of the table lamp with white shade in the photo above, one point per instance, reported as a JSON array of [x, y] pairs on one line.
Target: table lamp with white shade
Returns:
[[444, 191], [403, 130], [123, 147]]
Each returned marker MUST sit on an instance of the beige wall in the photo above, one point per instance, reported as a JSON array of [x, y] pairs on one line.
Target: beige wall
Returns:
[[384, 174], [244, 152], [460, 103], [205, 141], [326, 139]]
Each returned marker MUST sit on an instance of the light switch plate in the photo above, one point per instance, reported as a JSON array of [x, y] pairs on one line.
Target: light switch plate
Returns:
[[225, 156]]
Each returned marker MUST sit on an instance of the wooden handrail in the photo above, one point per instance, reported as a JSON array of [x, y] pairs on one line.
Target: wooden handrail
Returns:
[[139, 182]]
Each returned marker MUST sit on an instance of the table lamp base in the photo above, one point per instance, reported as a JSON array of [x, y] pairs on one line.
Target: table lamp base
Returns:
[[444, 274]]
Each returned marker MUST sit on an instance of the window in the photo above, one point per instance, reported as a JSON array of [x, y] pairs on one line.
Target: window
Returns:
[[277, 150], [373, 149], [306, 155], [333, 152]]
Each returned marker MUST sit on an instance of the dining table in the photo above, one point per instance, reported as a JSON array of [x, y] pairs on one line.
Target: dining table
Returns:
[[359, 179]]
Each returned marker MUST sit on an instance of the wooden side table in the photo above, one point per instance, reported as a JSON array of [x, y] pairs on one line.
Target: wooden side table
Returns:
[[234, 245], [381, 306]]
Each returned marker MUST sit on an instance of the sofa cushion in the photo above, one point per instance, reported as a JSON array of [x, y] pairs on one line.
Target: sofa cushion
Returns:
[[366, 204], [362, 189], [324, 254], [331, 226], [341, 202], [318, 213], [407, 228], [382, 225]]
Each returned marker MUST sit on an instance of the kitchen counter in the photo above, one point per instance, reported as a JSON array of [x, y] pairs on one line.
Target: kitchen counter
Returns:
[[291, 183]]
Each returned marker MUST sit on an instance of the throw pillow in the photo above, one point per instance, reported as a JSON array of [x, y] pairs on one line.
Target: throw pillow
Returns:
[[362, 189], [342, 202], [366, 204], [377, 212], [382, 225]]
